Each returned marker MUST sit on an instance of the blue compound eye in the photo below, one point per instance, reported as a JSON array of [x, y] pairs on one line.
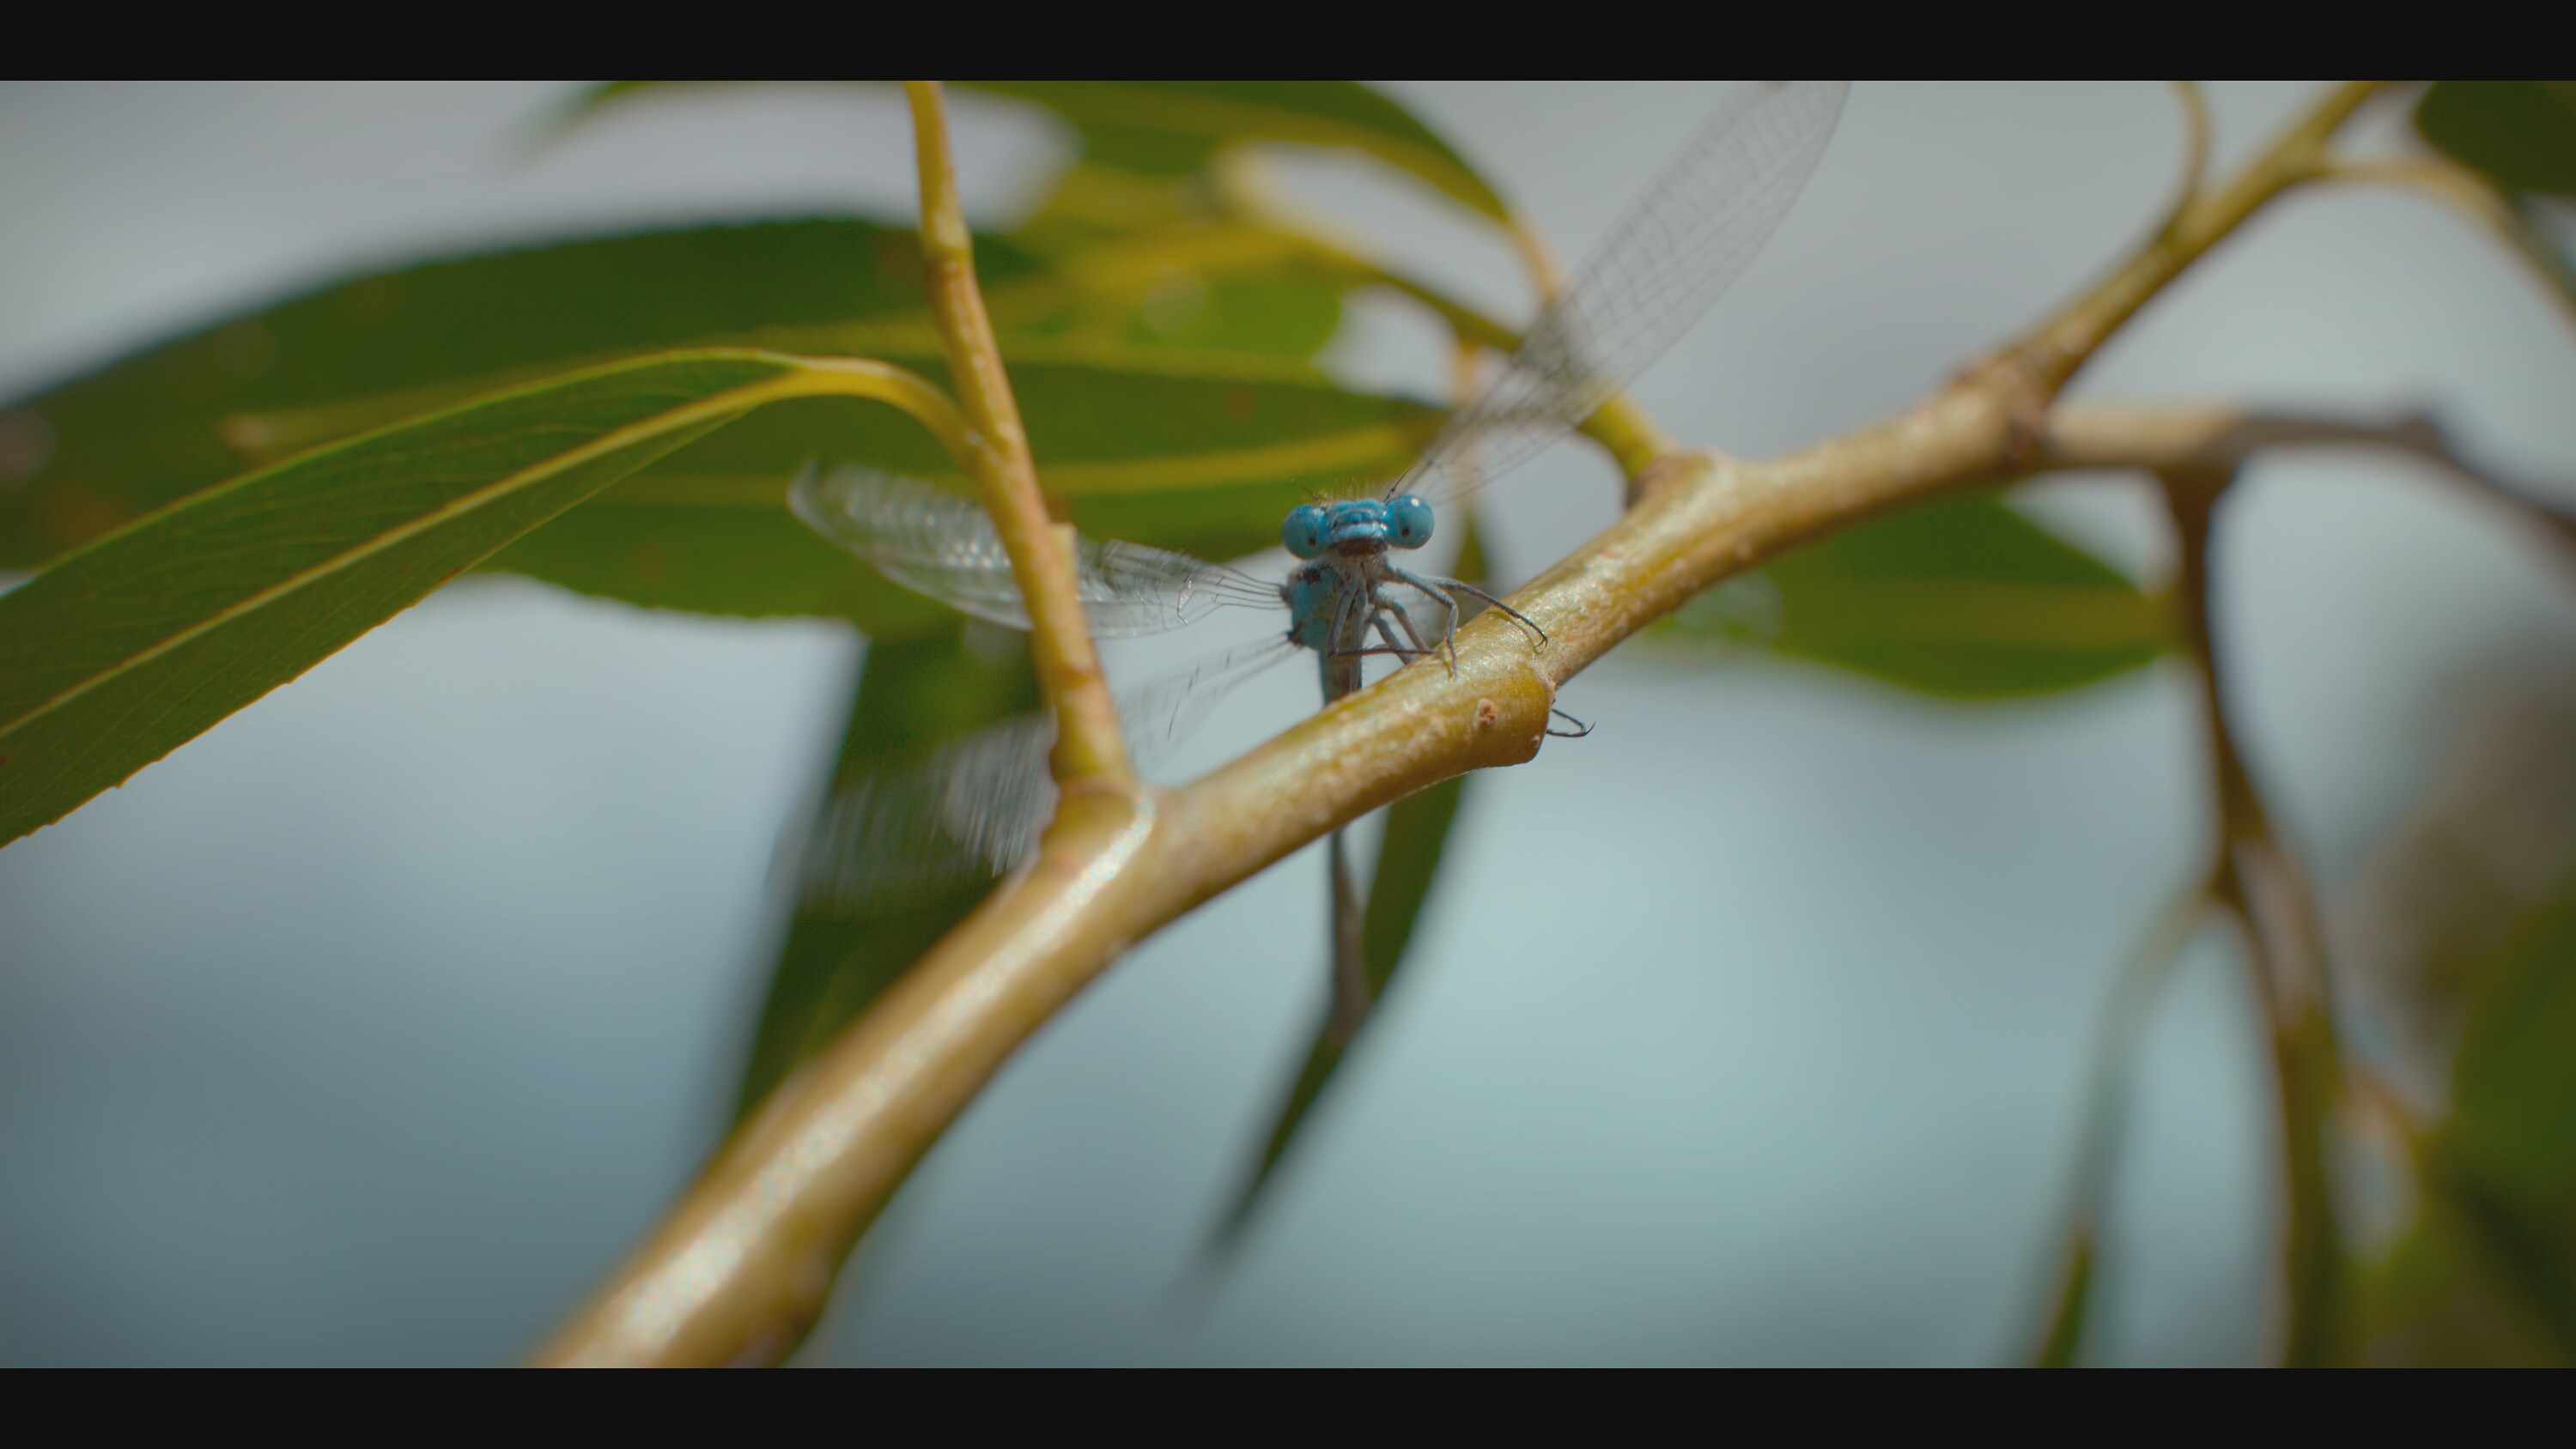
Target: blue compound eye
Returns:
[[1303, 531], [1408, 521]]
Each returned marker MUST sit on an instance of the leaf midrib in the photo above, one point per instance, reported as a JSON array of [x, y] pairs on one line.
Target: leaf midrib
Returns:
[[715, 406]]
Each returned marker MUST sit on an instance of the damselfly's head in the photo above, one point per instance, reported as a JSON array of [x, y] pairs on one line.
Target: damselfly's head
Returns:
[[1356, 527]]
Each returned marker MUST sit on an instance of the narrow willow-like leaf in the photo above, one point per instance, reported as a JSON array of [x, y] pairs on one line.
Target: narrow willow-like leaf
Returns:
[[1164, 255], [2064, 1338], [2518, 1247], [1159, 124], [277, 379], [1110, 415], [1408, 862], [2514, 1085], [135, 644], [1963, 599], [912, 696], [2461, 933], [1417, 832], [1190, 454], [2486, 1274], [2520, 133], [1322, 113], [2506, 1158]]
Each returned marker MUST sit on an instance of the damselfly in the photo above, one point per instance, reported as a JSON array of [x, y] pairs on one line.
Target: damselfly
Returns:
[[981, 800]]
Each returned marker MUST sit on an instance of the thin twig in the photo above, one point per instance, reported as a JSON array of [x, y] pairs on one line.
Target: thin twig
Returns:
[[2196, 449], [2050, 355], [2157, 437], [1088, 746], [2195, 148], [2265, 893]]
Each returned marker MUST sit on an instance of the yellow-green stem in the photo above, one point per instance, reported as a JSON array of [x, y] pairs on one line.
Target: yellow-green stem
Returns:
[[1088, 743], [2265, 892], [2051, 354]]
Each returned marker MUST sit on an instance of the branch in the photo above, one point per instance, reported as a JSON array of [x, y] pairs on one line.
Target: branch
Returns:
[[2197, 451], [743, 1264], [2203, 218], [2199, 448], [2195, 146], [2260, 885], [1088, 743], [2167, 437]]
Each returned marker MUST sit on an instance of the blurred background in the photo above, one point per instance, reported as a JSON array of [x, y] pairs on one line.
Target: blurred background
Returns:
[[376, 1024]]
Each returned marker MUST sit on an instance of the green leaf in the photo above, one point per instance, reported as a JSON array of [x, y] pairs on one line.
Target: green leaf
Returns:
[[1408, 861], [358, 354], [1206, 461], [1285, 315], [2488, 1273], [2525, 1249], [1962, 599], [135, 644], [1155, 235], [912, 697], [649, 546], [1157, 126], [1154, 243], [2507, 1156], [1142, 219], [2470, 1286], [705, 529], [2063, 1340], [2521, 133], [2463, 934], [1318, 113]]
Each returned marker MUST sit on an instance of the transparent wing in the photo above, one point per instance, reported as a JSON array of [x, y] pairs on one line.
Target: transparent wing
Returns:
[[1162, 713], [941, 545], [1664, 265], [973, 809]]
